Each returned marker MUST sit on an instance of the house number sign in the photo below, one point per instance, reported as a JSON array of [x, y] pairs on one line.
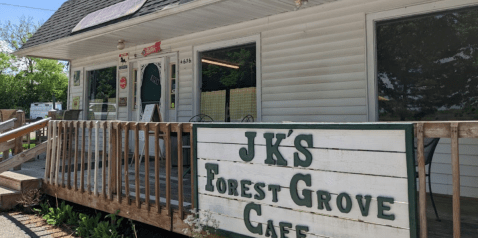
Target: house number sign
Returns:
[[308, 180]]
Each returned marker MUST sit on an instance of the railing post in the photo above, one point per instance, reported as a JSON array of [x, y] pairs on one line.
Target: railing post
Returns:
[[422, 194], [455, 165], [20, 115]]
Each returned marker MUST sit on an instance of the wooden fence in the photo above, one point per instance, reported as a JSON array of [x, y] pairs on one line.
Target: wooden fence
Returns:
[[453, 130], [88, 163]]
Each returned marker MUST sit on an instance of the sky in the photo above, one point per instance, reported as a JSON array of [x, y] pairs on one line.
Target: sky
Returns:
[[40, 10]]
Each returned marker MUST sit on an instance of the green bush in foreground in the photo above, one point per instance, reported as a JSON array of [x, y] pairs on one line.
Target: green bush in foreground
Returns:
[[86, 226]]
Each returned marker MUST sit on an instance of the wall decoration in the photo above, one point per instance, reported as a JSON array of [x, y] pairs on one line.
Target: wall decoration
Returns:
[[123, 82], [76, 78], [309, 180], [152, 49], [123, 62], [123, 102], [75, 103]]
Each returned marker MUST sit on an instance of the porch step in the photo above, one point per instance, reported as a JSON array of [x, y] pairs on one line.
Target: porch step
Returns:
[[9, 198], [18, 181]]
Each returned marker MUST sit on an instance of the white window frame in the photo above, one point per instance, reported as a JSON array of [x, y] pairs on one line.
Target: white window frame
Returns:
[[225, 44], [87, 83], [372, 19]]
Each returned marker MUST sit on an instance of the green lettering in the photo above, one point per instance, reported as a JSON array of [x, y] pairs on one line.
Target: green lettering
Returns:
[[340, 203], [247, 216], [232, 184], [273, 149], [283, 230], [270, 230], [382, 208], [247, 155], [299, 229], [211, 170], [364, 208], [260, 193], [221, 185], [275, 189], [308, 156], [307, 194], [244, 188], [323, 198]]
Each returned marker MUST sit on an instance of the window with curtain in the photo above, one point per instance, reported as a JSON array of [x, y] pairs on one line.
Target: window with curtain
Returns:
[[228, 89], [102, 94], [428, 67]]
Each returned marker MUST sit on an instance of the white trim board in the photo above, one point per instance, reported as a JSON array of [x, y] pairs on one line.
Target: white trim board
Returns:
[[373, 18], [224, 44]]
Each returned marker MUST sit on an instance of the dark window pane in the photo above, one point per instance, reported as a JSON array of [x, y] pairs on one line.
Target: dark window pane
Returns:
[[229, 83], [428, 67], [102, 94]]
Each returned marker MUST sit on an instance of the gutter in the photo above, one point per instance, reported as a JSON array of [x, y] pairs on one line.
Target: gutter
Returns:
[[116, 27]]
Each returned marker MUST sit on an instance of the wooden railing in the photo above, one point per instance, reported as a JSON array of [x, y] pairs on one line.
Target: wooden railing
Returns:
[[12, 132], [454, 131], [88, 162]]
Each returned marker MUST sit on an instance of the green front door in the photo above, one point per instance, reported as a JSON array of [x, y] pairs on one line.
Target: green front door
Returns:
[[151, 85]]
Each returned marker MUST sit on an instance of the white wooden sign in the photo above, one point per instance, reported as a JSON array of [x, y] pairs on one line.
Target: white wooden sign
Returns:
[[308, 180]]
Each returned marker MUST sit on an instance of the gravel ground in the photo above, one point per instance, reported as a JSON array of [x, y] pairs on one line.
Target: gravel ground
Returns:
[[18, 225]]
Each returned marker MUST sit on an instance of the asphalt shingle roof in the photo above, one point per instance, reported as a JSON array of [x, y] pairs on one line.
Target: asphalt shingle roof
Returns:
[[62, 22]]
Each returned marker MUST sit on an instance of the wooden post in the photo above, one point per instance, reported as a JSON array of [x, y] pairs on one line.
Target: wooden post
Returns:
[[119, 144], [167, 140], [103, 170], [19, 141], [180, 170], [64, 154], [70, 151], [97, 156], [48, 152], [88, 166], [54, 133], [422, 183], [110, 158], [83, 142], [77, 142], [52, 114], [146, 164], [58, 154], [126, 162], [191, 146], [156, 166], [136, 164], [114, 159], [455, 165]]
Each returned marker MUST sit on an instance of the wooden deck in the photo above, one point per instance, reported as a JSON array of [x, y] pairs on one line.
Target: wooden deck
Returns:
[[444, 228]]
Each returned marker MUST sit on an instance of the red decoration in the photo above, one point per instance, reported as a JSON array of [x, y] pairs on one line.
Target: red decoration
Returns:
[[152, 49], [123, 82]]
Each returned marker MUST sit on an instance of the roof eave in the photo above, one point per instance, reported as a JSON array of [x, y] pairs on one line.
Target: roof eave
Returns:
[[33, 51]]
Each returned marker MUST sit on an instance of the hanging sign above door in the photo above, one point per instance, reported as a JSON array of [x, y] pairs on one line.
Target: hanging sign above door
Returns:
[[152, 49]]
